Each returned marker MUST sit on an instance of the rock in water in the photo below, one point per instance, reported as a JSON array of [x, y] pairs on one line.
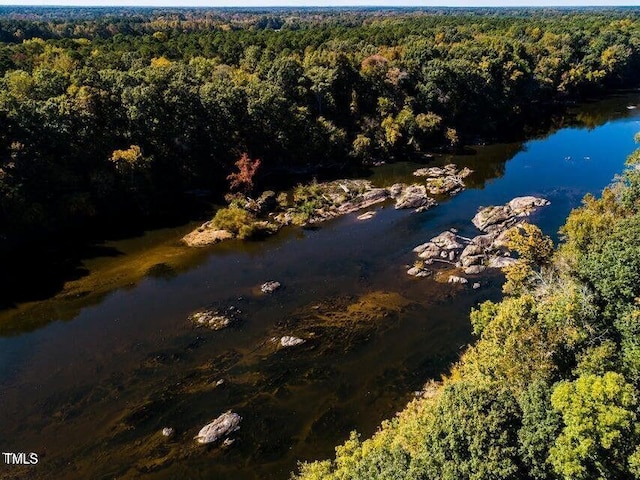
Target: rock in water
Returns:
[[289, 341], [456, 279], [491, 219], [367, 215], [447, 241], [215, 318], [417, 271], [270, 287], [499, 218], [414, 196], [211, 319], [221, 427], [524, 206], [475, 269]]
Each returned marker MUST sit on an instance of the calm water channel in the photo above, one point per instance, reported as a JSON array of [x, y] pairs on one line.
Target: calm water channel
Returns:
[[90, 375]]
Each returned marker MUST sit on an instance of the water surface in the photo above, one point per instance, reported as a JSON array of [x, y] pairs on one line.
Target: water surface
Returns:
[[89, 376]]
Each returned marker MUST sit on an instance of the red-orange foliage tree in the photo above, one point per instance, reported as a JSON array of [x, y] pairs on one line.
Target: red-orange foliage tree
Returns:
[[243, 178]]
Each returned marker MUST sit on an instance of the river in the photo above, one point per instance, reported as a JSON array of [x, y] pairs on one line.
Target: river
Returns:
[[91, 373]]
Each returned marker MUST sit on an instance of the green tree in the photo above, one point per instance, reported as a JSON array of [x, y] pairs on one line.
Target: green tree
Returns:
[[599, 431]]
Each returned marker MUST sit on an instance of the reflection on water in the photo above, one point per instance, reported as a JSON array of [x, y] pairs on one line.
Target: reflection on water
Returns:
[[92, 394]]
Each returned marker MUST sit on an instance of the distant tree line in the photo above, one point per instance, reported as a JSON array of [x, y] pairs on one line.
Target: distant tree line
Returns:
[[112, 112]]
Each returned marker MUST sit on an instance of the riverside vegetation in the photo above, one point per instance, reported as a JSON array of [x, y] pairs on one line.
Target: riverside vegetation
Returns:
[[117, 115], [551, 388]]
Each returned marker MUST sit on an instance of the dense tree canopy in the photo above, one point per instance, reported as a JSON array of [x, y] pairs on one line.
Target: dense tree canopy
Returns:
[[105, 111]]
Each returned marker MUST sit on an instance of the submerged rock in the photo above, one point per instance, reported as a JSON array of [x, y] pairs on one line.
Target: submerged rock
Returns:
[[270, 287], [290, 341], [222, 426], [214, 318]]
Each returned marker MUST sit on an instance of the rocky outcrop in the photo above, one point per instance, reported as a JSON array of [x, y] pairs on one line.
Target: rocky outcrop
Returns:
[[412, 196], [445, 247], [500, 262], [221, 427], [500, 218], [488, 250], [444, 180], [307, 205], [365, 200]]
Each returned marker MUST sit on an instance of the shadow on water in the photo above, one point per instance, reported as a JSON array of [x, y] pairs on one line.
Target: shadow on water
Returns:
[[92, 395], [45, 272]]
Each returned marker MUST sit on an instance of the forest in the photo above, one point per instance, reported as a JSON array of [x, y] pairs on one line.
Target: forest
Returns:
[[550, 390], [122, 115]]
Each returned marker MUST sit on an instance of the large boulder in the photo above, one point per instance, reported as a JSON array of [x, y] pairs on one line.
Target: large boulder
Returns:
[[221, 427], [447, 241], [428, 251], [270, 287], [414, 196], [475, 269], [490, 219], [451, 184], [524, 206], [499, 218], [471, 250]]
